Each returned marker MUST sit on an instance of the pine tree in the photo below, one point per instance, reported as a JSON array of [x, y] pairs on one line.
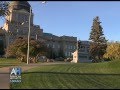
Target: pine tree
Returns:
[[98, 43]]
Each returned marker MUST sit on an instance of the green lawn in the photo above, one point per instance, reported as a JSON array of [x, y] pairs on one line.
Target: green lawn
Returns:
[[105, 75], [9, 62]]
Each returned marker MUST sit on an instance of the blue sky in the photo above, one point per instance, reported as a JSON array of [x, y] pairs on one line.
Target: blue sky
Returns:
[[75, 18]]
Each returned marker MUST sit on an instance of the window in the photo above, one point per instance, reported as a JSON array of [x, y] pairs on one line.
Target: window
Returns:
[[48, 45], [25, 18], [74, 47], [25, 31], [53, 46], [20, 32], [69, 53], [82, 48], [82, 56], [69, 47], [87, 49], [16, 16], [65, 53], [66, 46], [58, 46]]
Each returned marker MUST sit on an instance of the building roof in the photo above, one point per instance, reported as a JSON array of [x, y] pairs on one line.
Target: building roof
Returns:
[[85, 42], [17, 5], [49, 34]]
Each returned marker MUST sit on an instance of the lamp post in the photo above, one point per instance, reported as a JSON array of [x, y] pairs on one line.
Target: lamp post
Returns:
[[29, 34], [8, 36], [29, 37], [7, 43], [36, 36]]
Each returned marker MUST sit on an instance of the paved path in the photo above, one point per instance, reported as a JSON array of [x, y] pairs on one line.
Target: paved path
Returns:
[[5, 73]]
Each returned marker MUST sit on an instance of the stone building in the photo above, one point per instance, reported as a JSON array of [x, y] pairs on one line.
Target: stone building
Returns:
[[17, 25], [83, 53], [64, 44], [17, 22]]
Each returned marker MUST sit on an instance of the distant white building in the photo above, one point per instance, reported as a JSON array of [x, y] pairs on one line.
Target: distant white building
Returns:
[[75, 57]]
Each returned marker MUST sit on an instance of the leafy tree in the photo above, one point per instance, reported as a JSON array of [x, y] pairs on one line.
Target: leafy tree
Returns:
[[1, 43], [3, 8], [19, 49], [98, 42], [113, 51], [1, 48]]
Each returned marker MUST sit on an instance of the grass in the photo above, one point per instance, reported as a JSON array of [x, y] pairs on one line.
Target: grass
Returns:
[[105, 75], [9, 62]]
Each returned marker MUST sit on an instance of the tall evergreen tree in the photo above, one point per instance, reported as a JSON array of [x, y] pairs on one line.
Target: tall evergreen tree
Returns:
[[98, 43]]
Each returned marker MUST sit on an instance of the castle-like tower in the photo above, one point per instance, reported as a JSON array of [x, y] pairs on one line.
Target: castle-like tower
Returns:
[[17, 22]]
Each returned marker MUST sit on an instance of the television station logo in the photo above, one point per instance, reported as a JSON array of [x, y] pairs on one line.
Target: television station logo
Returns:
[[15, 74]]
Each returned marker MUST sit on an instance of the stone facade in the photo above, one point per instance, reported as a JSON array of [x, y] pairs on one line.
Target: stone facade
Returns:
[[66, 44], [17, 25]]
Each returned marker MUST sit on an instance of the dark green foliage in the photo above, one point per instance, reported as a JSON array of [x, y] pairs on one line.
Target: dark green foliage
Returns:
[[3, 8], [19, 49], [98, 43], [1, 48]]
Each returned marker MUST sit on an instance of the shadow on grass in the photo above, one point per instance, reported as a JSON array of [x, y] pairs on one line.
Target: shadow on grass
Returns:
[[69, 73]]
